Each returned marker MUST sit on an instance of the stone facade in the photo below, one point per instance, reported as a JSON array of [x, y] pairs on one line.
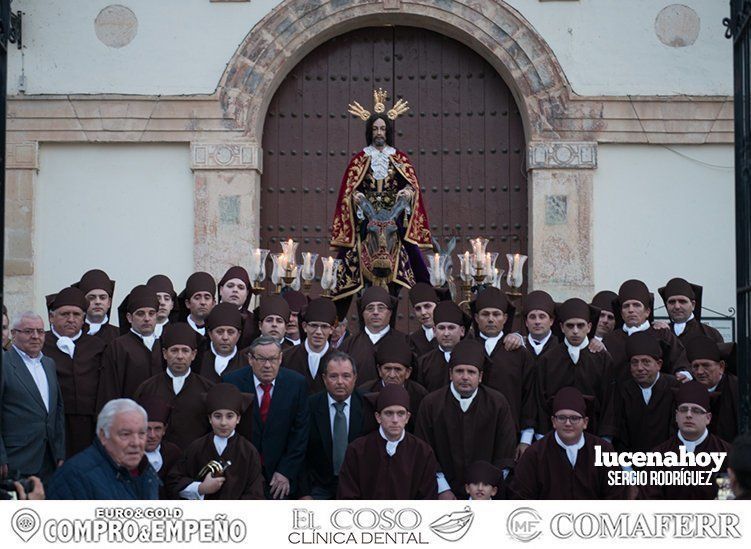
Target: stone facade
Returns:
[[225, 128]]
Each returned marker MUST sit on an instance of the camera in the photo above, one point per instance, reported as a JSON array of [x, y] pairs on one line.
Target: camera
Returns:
[[8, 487]]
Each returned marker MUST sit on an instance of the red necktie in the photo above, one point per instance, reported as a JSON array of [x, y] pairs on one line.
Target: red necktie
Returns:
[[265, 401]]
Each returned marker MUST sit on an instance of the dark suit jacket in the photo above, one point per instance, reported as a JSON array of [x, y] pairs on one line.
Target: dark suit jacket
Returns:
[[283, 439], [319, 465], [28, 430]]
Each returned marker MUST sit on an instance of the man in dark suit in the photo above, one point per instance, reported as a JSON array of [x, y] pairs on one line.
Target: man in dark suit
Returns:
[[280, 415], [336, 419], [31, 405]]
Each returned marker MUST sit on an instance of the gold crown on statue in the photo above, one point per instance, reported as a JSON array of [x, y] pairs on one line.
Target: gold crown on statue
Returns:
[[379, 106]]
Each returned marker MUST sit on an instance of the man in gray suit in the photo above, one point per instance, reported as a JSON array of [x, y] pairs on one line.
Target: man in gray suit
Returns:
[[32, 423]]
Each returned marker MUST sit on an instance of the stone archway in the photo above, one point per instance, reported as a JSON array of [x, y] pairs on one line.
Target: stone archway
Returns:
[[560, 172], [493, 29]]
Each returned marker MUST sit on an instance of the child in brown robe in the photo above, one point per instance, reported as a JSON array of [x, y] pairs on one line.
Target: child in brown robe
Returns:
[[240, 475]]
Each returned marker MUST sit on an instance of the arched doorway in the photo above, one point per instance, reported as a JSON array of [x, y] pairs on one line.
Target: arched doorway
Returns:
[[464, 134]]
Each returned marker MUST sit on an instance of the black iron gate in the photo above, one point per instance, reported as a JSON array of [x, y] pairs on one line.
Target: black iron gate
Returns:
[[739, 29]]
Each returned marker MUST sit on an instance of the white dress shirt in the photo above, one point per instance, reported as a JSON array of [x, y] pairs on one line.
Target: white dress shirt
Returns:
[[429, 334], [159, 328], [34, 365], [259, 389]]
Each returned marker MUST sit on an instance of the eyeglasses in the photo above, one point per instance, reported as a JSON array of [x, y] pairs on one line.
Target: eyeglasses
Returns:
[[29, 332], [265, 359], [693, 409], [573, 420], [315, 327]]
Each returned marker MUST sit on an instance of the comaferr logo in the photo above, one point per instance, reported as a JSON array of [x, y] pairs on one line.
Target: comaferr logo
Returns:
[[453, 526], [524, 524]]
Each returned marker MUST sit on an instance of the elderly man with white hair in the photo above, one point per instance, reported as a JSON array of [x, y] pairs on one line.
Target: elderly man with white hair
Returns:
[[115, 465]]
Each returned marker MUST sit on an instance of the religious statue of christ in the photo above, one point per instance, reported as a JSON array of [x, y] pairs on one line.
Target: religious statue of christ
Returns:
[[380, 222]]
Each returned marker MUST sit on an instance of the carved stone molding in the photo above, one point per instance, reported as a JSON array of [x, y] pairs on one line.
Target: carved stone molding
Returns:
[[562, 155], [22, 156], [226, 156]]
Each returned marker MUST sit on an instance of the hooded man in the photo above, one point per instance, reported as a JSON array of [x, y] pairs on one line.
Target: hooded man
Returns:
[[633, 313], [377, 311], [466, 421], [78, 363], [646, 399], [573, 364], [180, 388], [561, 465], [604, 302], [223, 326], [710, 364], [423, 299], [98, 288], [450, 327], [308, 357], [135, 356], [683, 303], [235, 287], [512, 372], [693, 417], [389, 463], [165, 293]]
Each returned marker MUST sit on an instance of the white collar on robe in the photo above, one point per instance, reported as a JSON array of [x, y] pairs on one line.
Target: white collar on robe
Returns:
[[314, 358], [159, 328], [429, 333], [391, 444], [220, 443], [201, 330], [66, 344], [574, 351], [646, 392], [640, 328], [376, 337], [491, 342], [538, 346], [177, 381], [148, 341], [692, 444], [155, 458], [464, 403], [446, 354], [678, 327], [94, 327], [221, 362], [571, 451]]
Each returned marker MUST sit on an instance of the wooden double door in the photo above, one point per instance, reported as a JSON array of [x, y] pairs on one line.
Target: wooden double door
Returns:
[[463, 133]]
